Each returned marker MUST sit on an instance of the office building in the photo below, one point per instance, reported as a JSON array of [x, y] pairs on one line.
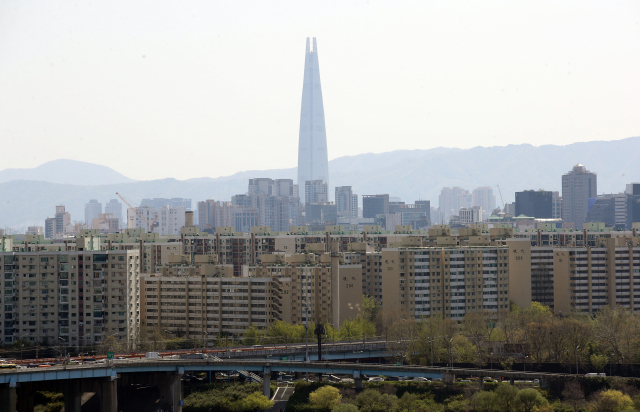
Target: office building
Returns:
[[578, 186], [91, 211], [373, 205], [320, 213], [316, 191], [633, 204], [535, 203], [313, 161], [114, 208], [470, 215], [346, 202], [556, 205]]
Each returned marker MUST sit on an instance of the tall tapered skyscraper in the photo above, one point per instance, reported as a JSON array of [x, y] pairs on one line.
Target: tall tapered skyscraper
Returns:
[[313, 163]]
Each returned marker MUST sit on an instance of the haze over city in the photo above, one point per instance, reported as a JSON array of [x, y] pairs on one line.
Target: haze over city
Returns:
[[145, 87]]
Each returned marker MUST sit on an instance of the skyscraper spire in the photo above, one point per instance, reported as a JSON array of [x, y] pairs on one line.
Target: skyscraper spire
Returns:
[[313, 163]]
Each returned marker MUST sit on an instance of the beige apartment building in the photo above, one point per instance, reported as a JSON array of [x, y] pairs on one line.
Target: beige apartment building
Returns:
[[454, 281], [587, 278], [81, 296], [203, 300], [315, 288]]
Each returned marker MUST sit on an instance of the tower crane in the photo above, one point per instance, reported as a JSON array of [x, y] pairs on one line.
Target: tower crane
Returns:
[[152, 225], [501, 199]]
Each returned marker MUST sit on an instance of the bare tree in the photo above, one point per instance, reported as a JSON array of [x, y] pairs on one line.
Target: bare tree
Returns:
[[573, 394]]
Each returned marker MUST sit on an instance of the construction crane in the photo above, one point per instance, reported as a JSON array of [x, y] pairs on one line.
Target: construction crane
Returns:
[[256, 216], [501, 199], [152, 225]]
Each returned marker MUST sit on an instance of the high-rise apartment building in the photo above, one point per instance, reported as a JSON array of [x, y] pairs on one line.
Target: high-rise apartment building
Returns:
[[91, 211], [173, 202], [346, 202], [535, 203], [81, 296], [57, 226], [115, 209], [106, 223], [373, 205], [484, 197], [316, 191], [452, 199], [313, 161], [578, 186]]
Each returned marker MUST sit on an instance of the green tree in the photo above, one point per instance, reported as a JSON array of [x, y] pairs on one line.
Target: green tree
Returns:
[[257, 401], [408, 402], [251, 336], [529, 399], [611, 401], [371, 400], [325, 398], [483, 401], [506, 398], [370, 308], [599, 361], [345, 407], [357, 328]]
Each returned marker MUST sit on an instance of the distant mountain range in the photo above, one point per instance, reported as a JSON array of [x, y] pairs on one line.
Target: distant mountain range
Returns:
[[65, 171], [409, 174]]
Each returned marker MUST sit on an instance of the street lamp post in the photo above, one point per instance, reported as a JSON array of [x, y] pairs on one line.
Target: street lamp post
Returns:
[[22, 344], [431, 339], [577, 359], [525, 363], [450, 354]]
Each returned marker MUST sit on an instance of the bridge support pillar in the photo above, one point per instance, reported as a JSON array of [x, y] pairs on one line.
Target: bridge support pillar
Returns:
[[72, 395], [266, 384], [358, 383], [480, 381], [170, 390], [108, 396], [25, 397], [8, 398], [512, 380]]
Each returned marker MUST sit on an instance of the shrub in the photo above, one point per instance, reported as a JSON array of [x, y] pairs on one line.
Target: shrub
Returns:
[[54, 407]]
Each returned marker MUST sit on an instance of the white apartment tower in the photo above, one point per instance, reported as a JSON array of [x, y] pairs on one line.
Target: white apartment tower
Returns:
[[346, 202]]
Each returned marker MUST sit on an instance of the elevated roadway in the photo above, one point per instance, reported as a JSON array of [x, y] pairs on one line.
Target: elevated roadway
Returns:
[[17, 385]]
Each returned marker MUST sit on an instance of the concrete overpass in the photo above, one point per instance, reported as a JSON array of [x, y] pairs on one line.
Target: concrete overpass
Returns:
[[72, 380], [17, 385]]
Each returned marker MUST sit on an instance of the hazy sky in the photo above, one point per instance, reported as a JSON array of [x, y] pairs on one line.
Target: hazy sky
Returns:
[[190, 89]]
